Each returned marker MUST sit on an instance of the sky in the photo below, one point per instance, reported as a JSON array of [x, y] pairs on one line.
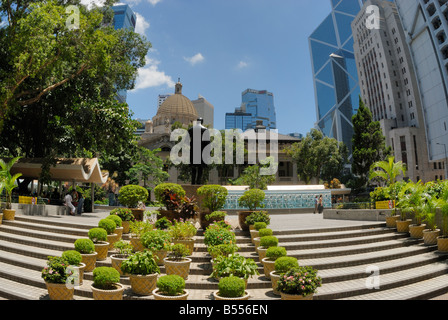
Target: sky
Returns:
[[220, 48]]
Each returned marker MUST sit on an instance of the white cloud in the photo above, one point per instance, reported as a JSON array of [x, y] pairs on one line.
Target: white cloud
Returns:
[[135, 2], [141, 24], [242, 64], [197, 58], [90, 3], [150, 76]]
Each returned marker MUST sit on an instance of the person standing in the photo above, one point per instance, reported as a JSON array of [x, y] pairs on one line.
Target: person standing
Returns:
[[316, 201], [68, 203], [80, 204], [321, 204]]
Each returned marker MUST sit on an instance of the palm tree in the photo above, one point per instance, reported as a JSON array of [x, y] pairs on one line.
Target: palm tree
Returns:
[[389, 170], [8, 180], [413, 199]]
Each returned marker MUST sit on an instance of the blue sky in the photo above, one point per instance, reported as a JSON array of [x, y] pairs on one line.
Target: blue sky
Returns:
[[219, 48]]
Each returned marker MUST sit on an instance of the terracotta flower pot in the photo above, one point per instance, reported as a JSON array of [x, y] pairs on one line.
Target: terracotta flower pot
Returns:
[[119, 232], [181, 268], [274, 279], [116, 260], [138, 214], [102, 249], [112, 238], [60, 291], [137, 243], [159, 256], [253, 234], [242, 215], [246, 296], [430, 237], [268, 266], [442, 244], [391, 222], [261, 253], [79, 270], [89, 260], [9, 214], [416, 231], [295, 296], [125, 225], [116, 294], [189, 243], [158, 296], [143, 284], [403, 226]]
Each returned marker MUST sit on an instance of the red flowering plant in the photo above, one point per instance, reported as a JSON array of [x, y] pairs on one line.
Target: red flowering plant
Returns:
[[302, 281], [57, 271], [216, 235]]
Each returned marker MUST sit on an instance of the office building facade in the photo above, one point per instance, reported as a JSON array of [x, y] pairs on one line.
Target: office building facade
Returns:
[[205, 110]]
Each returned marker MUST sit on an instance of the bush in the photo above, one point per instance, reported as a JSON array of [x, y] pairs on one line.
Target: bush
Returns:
[[155, 240], [216, 216], [252, 199], [268, 241], [125, 214], [108, 225], [260, 225], [234, 265], [97, 235], [171, 285], [140, 263], [178, 252], [84, 246], [222, 250], [265, 232], [139, 228], [163, 191], [273, 253], [56, 271], [131, 195], [116, 219], [299, 281], [124, 247], [258, 216], [231, 287], [163, 223], [72, 257], [283, 264], [215, 235], [105, 278], [182, 230], [214, 196]]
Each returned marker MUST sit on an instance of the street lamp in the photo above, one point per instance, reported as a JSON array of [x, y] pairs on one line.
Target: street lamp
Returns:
[[446, 158]]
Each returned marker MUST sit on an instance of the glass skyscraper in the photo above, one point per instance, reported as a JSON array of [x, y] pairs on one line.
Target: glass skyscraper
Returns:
[[124, 17], [334, 71]]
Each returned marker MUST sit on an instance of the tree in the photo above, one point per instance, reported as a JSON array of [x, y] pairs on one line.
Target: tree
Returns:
[[318, 157], [148, 168], [387, 171], [369, 145], [254, 179]]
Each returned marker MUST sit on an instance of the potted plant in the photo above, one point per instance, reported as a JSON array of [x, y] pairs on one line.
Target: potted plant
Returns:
[[266, 232], [265, 244], [405, 205], [177, 261], [2, 186], [143, 271], [215, 235], [429, 216], [126, 217], [214, 199], [442, 241], [210, 218], [225, 250], [9, 184], [231, 288], [258, 216], [124, 249], [99, 239], [170, 287], [163, 223], [272, 254], [171, 196], [109, 226], [257, 227], [281, 266], [86, 248], [58, 279], [299, 283], [251, 199], [106, 284], [137, 229], [158, 242], [183, 232], [118, 225], [234, 265], [74, 260], [131, 196]]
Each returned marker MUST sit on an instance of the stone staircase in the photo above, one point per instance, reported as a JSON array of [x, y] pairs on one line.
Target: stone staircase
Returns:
[[344, 256]]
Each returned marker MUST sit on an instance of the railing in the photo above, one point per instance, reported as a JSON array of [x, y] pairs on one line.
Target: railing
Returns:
[[354, 206]]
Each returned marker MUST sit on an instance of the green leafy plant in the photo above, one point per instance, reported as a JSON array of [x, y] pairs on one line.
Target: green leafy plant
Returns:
[[258, 216], [268, 241], [215, 235], [260, 225], [252, 199], [214, 196], [182, 230], [178, 252], [222, 250], [171, 285], [156, 239], [131, 195], [57, 271], [8, 180], [234, 265], [84, 246], [97, 235], [163, 223], [139, 228], [299, 281], [123, 247], [116, 219], [283, 264], [216, 216], [108, 225], [273, 253], [72, 257], [105, 278], [444, 208], [231, 287], [141, 263], [125, 214], [265, 232], [169, 194]]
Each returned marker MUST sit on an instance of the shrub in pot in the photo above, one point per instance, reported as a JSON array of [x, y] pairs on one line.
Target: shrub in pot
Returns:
[[177, 261], [86, 248], [58, 279], [143, 271], [171, 196], [266, 232], [251, 199], [137, 229], [163, 223], [281, 266], [214, 199], [429, 216], [258, 216], [216, 235], [74, 260], [299, 283], [99, 239], [124, 249], [231, 288], [126, 217], [8, 182], [118, 225], [158, 242], [131, 196], [183, 232], [106, 284], [222, 250], [442, 241], [234, 265], [272, 254], [170, 287], [265, 243], [211, 218], [257, 227], [109, 226]]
